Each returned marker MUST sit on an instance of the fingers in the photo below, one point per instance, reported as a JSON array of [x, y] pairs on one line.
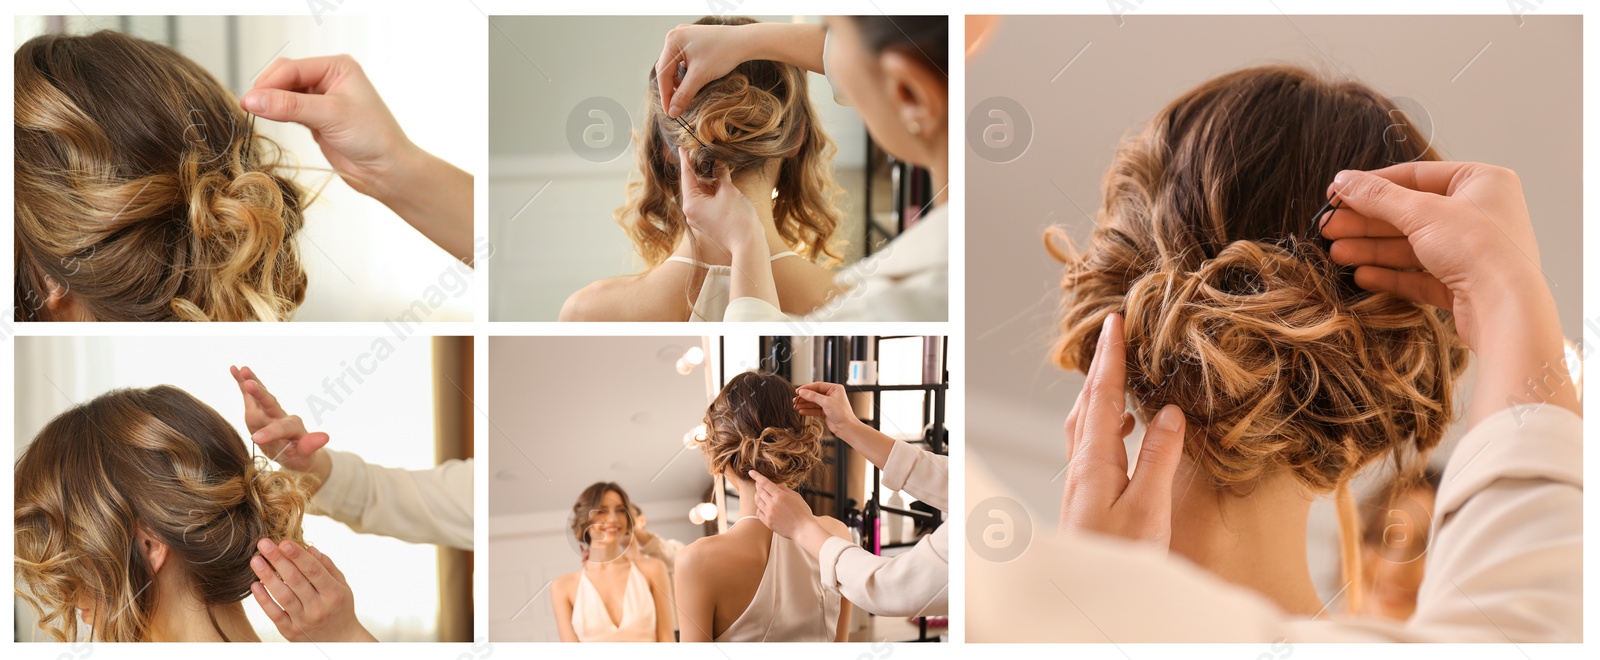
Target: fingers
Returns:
[[287, 428], [279, 617], [1379, 198], [667, 73], [1386, 252], [273, 584], [1437, 177], [259, 393], [1159, 456], [1417, 287], [327, 562], [1074, 426], [289, 574], [1345, 222], [314, 75], [688, 184], [1106, 401], [692, 81], [314, 111], [321, 581]]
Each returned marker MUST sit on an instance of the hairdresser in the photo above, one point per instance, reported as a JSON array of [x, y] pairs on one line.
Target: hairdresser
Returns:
[[916, 583], [417, 506], [892, 69], [1502, 565], [365, 145]]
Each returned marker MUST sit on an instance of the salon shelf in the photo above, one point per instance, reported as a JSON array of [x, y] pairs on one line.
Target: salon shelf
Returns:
[[929, 387]]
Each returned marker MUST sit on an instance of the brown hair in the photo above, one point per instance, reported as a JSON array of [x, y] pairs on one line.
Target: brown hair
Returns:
[[138, 192], [753, 425], [153, 460], [1277, 359], [589, 500], [759, 113]]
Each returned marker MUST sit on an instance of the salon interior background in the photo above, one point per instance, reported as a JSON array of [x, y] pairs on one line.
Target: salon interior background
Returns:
[[1515, 106], [550, 209], [363, 262]]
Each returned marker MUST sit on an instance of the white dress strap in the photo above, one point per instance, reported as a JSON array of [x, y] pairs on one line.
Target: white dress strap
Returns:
[[715, 290], [593, 622]]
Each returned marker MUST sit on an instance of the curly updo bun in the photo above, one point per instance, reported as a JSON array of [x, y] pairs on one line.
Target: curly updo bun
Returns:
[[753, 425], [1279, 362], [756, 115], [141, 192], [156, 462]]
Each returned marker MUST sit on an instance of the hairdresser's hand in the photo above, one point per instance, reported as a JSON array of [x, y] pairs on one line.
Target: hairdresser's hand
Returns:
[[314, 603], [281, 436], [709, 52], [1100, 497], [828, 401], [1458, 236], [366, 146], [724, 215], [784, 512]]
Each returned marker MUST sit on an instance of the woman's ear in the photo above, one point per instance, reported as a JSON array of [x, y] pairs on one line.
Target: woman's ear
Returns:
[[917, 92], [55, 294], [153, 550]]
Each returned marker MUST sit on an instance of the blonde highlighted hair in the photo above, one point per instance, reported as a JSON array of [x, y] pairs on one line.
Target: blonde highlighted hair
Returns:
[[1278, 360], [753, 425], [154, 461], [759, 113], [140, 191]]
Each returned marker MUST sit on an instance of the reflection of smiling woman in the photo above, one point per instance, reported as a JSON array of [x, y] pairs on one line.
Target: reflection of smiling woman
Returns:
[[614, 598], [757, 122], [141, 509]]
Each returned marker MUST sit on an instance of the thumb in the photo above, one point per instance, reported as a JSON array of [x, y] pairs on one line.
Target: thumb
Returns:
[[314, 111], [811, 395], [684, 93], [760, 479], [1159, 455], [311, 442], [1381, 199]]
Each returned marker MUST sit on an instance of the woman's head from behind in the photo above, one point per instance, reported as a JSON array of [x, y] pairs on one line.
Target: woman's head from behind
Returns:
[[892, 70], [753, 425], [1278, 361], [755, 121], [136, 496], [142, 193]]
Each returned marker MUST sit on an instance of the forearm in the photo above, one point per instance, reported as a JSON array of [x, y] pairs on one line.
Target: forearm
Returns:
[[1521, 359], [811, 536], [752, 272], [321, 467], [873, 444], [433, 196], [797, 44]]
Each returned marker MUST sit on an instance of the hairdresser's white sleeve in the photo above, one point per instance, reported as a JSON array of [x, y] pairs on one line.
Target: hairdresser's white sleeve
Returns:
[[916, 583], [1506, 564], [908, 280], [418, 506]]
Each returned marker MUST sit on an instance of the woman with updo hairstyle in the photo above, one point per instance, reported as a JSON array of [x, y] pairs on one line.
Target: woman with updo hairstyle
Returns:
[[757, 122], [748, 584], [139, 512], [142, 194], [618, 596], [1292, 378]]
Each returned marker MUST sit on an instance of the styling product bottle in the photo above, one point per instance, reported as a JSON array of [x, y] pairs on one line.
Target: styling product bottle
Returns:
[[897, 528], [863, 371]]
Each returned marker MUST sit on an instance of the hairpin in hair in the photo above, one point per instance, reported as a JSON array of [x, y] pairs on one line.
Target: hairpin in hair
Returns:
[[249, 136], [1314, 232], [690, 131]]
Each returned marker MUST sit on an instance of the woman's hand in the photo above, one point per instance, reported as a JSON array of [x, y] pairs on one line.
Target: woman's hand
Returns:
[[828, 401], [349, 120], [1099, 496], [724, 215], [709, 52], [281, 436], [313, 600], [1458, 236], [366, 146], [784, 512]]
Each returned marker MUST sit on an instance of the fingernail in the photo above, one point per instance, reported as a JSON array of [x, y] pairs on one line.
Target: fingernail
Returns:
[[265, 545], [258, 563], [1169, 419], [258, 436], [1343, 177], [254, 102], [289, 548]]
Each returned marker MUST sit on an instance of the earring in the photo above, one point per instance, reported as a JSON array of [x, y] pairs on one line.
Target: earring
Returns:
[[915, 128]]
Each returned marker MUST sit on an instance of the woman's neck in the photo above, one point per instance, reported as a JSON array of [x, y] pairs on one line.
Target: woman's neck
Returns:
[[758, 190], [1258, 540], [185, 619], [602, 553]]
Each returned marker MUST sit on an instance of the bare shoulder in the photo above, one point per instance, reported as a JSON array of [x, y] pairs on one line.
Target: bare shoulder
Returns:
[[834, 527], [564, 586], [653, 568], [642, 297], [598, 301]]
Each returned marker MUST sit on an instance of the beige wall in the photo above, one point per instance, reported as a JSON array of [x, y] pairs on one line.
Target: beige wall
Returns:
[[1518, 104]]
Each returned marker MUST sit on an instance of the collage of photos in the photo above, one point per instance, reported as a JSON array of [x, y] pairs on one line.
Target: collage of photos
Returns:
[[1221, 329]]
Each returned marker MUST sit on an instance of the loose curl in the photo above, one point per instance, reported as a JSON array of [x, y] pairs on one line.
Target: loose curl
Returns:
[[156, 461], [753, 425], [1278, 361], [758, 114], [142, 194]]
